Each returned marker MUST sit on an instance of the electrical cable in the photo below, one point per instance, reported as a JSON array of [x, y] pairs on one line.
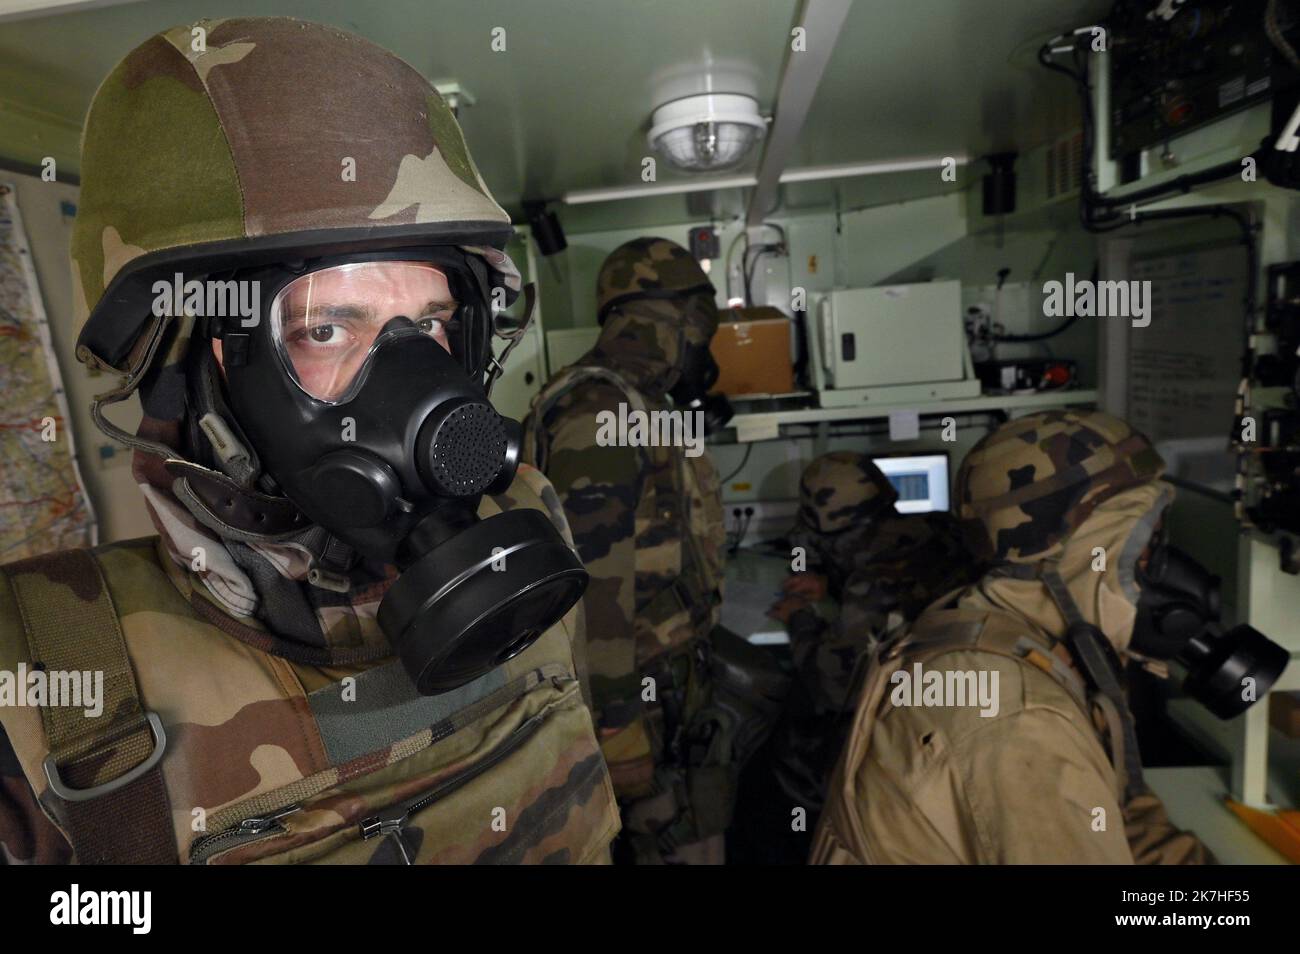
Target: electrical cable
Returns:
[[1274, 32], [731, 247], [743, 461], [1091, 202], [752, 267]]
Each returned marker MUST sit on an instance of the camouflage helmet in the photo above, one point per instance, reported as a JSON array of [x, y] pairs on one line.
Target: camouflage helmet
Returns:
[[648, 268], [233, 142], [1023, 489], [842, 490]]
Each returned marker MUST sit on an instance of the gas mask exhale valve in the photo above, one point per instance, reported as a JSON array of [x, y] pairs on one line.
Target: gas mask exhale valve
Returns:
[[361, 395], [1178, 617]]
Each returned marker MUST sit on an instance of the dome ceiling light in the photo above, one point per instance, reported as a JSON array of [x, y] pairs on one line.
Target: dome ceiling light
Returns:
[[707, 132]]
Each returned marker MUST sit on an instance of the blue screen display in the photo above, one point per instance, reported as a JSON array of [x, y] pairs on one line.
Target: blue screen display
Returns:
[[911, 486]]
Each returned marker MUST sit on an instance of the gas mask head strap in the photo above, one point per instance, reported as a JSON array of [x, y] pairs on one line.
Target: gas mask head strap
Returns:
[[497, 364], [1095, 656], [141, 360]]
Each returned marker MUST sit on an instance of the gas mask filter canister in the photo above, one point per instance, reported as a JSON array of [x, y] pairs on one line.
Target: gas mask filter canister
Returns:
[[360, 390], [1177, 618]]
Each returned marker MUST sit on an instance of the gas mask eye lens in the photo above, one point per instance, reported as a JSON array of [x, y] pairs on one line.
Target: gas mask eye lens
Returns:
[[327, 323]]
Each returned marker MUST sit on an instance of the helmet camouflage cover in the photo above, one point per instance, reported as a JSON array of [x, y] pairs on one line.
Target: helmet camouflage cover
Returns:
[[841, 490], [200, 146], [648, 268], [1024, 488]]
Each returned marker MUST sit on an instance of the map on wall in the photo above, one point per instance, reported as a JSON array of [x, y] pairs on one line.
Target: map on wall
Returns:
[[43, 502]]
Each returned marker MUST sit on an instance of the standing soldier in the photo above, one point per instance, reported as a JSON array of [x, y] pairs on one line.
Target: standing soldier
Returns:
[[1044, 768], [648, 524], [329, 483]]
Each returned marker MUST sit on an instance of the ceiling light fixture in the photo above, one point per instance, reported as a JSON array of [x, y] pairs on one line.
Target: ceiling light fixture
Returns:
[[706, 132]]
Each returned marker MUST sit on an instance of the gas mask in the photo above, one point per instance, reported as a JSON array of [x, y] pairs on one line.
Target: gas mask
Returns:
[[360, 388], [1177, 618], [699, 372]]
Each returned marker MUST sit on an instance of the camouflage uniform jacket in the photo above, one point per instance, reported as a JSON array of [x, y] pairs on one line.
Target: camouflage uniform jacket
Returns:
[[648, 524], [505, 769]]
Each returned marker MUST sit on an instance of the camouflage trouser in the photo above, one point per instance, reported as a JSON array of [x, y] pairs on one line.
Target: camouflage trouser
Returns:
[[718, 700]]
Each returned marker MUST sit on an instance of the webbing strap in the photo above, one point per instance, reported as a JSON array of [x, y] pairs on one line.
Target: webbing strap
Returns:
[[1089, 647], [1086, 646], [72, 628]]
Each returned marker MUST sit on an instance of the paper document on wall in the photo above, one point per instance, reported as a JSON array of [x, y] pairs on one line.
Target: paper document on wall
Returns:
[[1185, 366]]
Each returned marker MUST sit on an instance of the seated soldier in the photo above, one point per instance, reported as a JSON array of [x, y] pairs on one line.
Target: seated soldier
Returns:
[[868, 570], [994, 729]]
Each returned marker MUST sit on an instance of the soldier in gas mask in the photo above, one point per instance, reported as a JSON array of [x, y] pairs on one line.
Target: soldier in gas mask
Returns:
[[679, 702], [864, 570], [995, 729], [352, 640]]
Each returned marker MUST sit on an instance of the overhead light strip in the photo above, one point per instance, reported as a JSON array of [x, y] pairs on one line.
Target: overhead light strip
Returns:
[[845, 170]]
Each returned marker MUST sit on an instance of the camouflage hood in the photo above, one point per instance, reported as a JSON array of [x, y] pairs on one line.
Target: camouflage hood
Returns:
[[654, 304], [646, 340], [1097, 562], [262, 584]]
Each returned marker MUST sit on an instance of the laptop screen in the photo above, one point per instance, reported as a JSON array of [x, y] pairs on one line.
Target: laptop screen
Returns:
[[921, 482]]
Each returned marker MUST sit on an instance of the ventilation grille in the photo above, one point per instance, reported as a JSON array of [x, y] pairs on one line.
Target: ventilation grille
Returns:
[[1065, 165]]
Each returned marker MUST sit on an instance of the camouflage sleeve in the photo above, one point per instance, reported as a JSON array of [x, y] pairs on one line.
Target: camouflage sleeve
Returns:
[[1155, 840], [576, 619], [600, 488], [806, 541], [826, 642], [26, 835]]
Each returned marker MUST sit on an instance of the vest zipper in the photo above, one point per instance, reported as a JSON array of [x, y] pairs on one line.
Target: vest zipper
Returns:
[[390, 821], [250, 829]]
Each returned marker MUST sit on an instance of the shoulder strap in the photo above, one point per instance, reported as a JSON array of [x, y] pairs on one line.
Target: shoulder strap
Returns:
[[1096, 657], [562, 384], [105, 771], [667, 481]]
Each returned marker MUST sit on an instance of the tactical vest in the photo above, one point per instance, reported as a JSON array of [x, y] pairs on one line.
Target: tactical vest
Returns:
[[942, 631], [690, 554], [715, 700], [209, 750]]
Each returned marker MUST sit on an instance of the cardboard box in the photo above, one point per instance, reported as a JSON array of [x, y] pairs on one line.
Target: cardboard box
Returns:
[[752, 348]]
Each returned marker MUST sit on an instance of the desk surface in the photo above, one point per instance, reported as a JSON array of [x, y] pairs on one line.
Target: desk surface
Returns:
[[753, 582], [1194, 799]]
